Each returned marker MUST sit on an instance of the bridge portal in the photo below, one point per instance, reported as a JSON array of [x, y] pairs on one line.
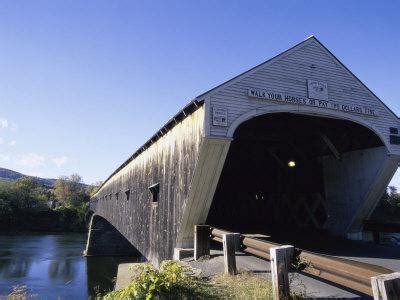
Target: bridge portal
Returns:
[[297, 141]]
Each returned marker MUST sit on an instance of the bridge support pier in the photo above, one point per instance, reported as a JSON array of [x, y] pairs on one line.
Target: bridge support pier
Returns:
[[105, 240]]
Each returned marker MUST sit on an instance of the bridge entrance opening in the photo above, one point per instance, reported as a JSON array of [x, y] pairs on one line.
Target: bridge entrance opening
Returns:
[[280, 172]]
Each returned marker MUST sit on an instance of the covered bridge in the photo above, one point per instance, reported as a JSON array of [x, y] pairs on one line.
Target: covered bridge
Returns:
[[296, 142]]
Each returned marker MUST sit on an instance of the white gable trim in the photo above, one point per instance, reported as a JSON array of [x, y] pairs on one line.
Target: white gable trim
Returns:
[[364, 87], [286, 53]]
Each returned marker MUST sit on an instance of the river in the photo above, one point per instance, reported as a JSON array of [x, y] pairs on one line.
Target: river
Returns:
[[51, 266]]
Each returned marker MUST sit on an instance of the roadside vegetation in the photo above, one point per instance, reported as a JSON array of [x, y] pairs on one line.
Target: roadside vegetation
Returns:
[[175, 281], [26, 205], [388, 209]]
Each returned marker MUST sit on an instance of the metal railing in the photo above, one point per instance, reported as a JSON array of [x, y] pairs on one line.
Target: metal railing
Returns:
[[345, 272]]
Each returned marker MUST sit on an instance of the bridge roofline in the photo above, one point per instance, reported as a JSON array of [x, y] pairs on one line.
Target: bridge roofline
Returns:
[[180, 116]]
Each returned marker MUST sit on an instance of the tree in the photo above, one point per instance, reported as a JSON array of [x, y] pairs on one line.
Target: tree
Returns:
[[69, 190], [93, 188], [26, 196]]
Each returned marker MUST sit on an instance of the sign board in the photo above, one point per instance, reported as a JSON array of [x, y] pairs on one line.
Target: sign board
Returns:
[[317, 90], [220, 116], [289, 99]]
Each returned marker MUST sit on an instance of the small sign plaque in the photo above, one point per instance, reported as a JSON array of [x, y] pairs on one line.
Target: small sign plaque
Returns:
[[220, 116], [317, 90]]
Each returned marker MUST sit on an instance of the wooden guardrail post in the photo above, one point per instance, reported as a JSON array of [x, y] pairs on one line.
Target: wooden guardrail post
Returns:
[[281, 258], [230, 242], [201, 241], [386, 287]]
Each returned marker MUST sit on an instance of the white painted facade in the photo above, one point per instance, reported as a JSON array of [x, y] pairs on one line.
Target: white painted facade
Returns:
[[288, 73]]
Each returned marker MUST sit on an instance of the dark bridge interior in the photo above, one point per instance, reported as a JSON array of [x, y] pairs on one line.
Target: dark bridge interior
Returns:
[[259, 191]]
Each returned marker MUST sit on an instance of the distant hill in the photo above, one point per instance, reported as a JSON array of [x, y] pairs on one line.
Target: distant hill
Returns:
[[11, 175]]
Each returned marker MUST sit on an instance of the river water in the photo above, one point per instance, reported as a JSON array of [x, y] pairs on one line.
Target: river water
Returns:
[[51, 266]]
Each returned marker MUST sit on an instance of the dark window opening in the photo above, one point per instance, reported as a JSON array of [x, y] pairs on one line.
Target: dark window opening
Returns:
[[127, 194], [155, 191], [116, 196]]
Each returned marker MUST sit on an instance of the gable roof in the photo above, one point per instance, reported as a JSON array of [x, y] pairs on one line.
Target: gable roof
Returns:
[[284, 53]]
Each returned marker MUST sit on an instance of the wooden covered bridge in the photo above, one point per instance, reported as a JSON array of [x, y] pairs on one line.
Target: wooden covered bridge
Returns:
[[296, 142]]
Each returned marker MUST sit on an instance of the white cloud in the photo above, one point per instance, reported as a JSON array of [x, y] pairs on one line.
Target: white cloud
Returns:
[[1, 140], [6, 124], [30, 160], [3, 123], [12, 143], [4, 157], [59, 161]]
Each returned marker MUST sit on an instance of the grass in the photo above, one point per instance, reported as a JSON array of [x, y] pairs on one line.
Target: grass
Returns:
[[245, 285]]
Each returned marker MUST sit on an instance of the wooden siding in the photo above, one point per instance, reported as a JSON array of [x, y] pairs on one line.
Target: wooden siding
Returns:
[[211, 161], [171, 162], [288, 73]]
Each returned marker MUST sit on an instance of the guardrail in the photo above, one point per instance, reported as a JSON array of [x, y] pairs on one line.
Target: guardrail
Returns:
[[348, 273]]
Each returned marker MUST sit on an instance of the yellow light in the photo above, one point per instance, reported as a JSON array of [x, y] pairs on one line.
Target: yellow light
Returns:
[[291, 164]]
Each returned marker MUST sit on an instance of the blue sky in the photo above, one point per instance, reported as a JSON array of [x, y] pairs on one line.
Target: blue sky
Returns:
[[84, 83]]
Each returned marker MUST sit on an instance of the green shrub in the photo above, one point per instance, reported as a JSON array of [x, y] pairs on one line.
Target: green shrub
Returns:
[[298, 264], [171, 280]]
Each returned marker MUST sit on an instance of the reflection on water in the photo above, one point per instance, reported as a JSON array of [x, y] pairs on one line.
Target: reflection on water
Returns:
[[52, 266]]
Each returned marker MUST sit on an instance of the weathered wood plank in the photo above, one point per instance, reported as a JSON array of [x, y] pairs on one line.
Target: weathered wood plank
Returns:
[[170, 161], [386, 287], [201, 241], [230, 242], [281, 258]]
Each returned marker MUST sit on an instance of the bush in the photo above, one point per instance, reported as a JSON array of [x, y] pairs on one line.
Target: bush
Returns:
[[171, 280], [72, 218]]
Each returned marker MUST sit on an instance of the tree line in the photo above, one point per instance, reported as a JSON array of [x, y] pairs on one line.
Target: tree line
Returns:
[[26, 205]]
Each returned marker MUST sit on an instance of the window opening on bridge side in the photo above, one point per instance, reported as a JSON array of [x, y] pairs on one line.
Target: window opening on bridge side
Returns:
[[127, 194], [155, 191], [116, 196]]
